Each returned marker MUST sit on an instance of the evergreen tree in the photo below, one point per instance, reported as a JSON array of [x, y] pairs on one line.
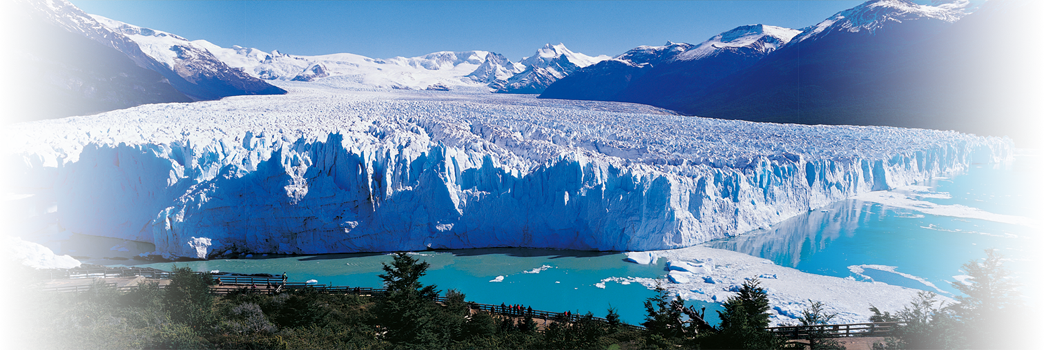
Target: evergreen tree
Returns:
[[301, 309], [612, 321], [990, 309], [817, 338], [663, 316], [668, 322], [924, 324], [480, 325], [453, 315], [406, 311], [749, 308], [744, 320], [988, 315]]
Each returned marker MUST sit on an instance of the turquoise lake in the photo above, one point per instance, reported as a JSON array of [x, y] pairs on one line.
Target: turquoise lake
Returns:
[[827, 241]]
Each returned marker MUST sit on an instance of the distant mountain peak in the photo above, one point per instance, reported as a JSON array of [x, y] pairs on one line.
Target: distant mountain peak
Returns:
[[643, 55], [550, 63], [551, 55], [760, 37], [875, 14]]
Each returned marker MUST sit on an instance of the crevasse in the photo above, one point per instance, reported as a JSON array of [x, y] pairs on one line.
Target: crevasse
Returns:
[[423, 174]]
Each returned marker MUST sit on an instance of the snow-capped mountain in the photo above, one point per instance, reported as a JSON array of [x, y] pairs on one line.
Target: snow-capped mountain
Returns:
[[190, 68], [644, 55], [549, 64], [445, 69], [896, 63], [73, 20], [60, 63], [876, 14], [495, 67], [754, 39], [658, 75], [467, 69]]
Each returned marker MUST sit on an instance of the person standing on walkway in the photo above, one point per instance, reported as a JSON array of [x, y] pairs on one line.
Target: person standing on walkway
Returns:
[[284, 277]]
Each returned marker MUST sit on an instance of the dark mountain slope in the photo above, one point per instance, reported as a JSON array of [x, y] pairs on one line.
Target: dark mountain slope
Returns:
[[979, 75], [47, 72]]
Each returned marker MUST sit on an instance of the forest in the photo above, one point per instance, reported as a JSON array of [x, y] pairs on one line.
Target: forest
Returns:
[[187, 314]]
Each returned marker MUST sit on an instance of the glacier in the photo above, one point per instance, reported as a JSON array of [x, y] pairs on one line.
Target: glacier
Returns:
[[34, 255], [322, 170]]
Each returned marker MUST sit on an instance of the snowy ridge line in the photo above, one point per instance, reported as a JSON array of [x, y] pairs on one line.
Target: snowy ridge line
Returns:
[[317, 172]]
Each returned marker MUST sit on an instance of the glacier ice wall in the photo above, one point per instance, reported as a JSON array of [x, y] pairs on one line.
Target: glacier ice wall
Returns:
[[322, 172]]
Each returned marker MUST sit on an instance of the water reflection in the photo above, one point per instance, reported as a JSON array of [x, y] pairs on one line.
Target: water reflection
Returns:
[[802, 236]]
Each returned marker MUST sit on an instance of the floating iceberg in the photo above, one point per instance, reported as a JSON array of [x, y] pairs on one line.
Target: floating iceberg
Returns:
[[693, 267], [679, 277], [641, 258], [324, 171]]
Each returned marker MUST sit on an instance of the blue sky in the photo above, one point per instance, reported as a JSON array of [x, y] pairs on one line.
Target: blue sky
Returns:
[[384, 29]]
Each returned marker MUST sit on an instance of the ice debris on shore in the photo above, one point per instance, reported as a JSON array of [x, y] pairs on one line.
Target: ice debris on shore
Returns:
[[35, 255], [788, 289]]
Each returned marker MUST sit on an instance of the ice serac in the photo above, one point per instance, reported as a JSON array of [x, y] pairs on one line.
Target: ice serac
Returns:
[[317, 172]]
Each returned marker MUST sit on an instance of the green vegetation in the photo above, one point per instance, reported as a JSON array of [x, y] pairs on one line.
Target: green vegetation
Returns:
[[988, 316], [185, 315]]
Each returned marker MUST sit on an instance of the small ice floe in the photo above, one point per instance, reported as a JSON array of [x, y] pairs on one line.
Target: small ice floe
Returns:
[[213, 272], [641, 258], [694, 267], [538, 269], [903, 199], [679, 277], [311, 282], [498, 279]]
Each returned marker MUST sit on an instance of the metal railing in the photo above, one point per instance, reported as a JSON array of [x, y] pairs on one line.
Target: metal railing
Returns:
[[103, 272], [873, 329], [76, 289]]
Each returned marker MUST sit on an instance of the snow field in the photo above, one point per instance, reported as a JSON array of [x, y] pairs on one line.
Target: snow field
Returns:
[[324, 171]]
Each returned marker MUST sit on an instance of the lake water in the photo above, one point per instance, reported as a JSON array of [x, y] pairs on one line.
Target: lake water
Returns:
[[922, 246], [917, 250]]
